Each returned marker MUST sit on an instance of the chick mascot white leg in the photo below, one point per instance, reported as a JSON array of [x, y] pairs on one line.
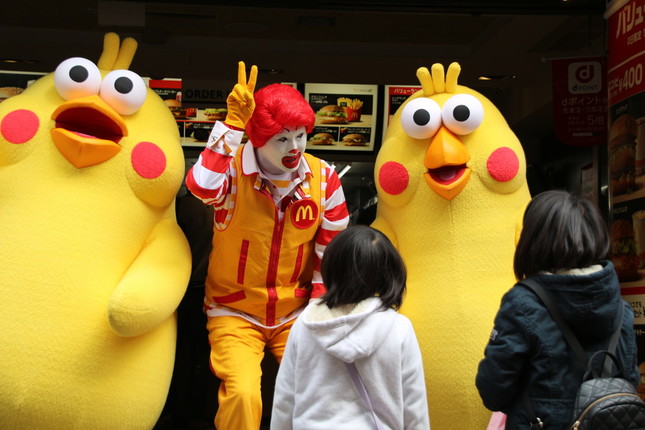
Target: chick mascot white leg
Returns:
[[92, 261], [451, 185]]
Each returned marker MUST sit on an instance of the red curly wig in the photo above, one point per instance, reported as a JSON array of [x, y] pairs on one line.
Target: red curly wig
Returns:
[[278, 106]]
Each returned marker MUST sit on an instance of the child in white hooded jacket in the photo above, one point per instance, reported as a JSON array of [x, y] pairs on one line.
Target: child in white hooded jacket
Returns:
[[354, 322]]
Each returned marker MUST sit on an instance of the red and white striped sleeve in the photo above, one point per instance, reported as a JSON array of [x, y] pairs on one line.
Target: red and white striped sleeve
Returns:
[[210, 177], [335, 220]]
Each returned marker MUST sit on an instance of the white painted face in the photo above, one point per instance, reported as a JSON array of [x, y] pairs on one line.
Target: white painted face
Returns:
[[282, 153]]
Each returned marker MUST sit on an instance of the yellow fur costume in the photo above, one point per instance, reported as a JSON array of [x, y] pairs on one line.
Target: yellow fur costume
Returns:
[[451, 188], [92, 262]]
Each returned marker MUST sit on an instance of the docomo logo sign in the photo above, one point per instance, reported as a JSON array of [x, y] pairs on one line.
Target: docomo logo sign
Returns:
[[584, 73], [585, 77]]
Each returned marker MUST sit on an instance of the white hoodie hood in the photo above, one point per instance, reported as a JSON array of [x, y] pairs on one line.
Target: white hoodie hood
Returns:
[[342, 331]]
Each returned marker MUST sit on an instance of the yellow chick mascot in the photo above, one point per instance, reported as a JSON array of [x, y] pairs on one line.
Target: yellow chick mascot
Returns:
[[451, 186], [92, 261]]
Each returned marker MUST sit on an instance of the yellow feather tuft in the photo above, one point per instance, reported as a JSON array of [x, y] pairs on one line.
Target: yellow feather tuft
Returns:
[[434, 83], [126, 54], [438, 77], [110, 51], [425, 79], [451, 79], [115, 57]]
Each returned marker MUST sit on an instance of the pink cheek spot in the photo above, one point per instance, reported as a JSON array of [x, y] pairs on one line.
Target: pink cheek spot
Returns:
[[148, 160], [393, 178], [503, 164], [19, 126]]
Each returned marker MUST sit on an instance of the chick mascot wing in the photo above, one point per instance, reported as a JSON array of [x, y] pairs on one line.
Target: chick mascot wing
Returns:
[[451, 186], [92, 262]]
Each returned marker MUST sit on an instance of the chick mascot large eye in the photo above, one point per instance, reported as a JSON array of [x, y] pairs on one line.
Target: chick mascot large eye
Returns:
[[92, 261], [452, 189]]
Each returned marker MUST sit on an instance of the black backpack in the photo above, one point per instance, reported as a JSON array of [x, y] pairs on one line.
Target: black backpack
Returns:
[[606, 402], [603, 401]]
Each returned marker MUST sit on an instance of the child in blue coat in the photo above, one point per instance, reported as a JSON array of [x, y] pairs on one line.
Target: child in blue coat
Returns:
[[563, 246]]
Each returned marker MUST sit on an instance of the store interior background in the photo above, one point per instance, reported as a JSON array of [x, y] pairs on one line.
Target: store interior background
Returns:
[[340, 41]]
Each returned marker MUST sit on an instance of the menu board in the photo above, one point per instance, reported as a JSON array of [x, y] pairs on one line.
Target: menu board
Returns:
[[13, 83], [169, 90], [395, 96], [194, 123], [195, 131], [345, 117]]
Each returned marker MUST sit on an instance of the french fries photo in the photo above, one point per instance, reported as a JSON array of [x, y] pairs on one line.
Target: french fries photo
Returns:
[[353, 108], [354, 104]]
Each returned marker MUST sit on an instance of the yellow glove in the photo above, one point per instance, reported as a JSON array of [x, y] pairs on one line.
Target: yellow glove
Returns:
[[240, 102]]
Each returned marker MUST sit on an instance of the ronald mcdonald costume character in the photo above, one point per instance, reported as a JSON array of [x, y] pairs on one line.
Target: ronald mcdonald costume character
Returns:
[[276, 208], [92, 261], [451, 186]]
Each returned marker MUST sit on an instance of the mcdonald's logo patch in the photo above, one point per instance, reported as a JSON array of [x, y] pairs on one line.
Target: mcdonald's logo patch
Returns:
[[304, 213]]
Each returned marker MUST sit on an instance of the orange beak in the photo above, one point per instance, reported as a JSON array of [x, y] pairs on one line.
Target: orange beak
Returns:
[[446, 160], [87, 131]]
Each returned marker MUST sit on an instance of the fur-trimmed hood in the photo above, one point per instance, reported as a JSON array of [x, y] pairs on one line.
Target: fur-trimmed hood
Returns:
[[341, 331]]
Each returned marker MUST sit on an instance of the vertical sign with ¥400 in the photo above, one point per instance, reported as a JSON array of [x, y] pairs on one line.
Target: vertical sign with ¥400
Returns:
[[625, 82], [626, 34], [626, 156]]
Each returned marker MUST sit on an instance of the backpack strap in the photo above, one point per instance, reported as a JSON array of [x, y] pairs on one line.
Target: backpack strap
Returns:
[[573, 342], [613, 344], [358, 382], [564, 327], [568, 333]]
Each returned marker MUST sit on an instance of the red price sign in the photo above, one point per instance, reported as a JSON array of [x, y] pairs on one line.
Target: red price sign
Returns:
[[626, 32], [625, 81]]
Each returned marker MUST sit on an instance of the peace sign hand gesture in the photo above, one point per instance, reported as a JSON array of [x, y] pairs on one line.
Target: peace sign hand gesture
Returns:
[[240, 102]]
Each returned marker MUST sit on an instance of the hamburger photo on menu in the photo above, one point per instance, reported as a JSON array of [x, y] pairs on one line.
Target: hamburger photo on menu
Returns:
[[332, 114], [624, 254], [6, 92], [354, 139], [175, 108], [215, 114], [622, 155], [321, 139]]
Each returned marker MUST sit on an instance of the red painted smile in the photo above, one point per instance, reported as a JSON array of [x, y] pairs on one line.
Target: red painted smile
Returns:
[[291, 161]]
